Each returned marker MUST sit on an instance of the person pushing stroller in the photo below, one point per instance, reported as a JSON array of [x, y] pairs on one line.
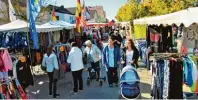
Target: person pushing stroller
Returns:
[[94, 56]]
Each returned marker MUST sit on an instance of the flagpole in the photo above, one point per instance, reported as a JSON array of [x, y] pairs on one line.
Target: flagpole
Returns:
[[8, 12], [28, 38]]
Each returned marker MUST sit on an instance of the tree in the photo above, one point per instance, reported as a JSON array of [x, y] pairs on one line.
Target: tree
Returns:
[[20, 10], [134, 9]]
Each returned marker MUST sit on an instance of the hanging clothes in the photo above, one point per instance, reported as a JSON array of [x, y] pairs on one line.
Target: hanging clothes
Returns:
[[167, 79], [5, 58], [175, 84], [154, 38], [167, 38], [190, 36], [56, 36]]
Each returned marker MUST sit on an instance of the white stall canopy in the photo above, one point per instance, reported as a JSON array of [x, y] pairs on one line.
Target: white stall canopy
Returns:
[[22, 26], [187, 17], [64, 24], [17, 25], [47, 27]]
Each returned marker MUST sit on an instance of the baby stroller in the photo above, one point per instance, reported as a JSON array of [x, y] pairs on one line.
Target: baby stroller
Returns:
[[92, 73], [129, 83]]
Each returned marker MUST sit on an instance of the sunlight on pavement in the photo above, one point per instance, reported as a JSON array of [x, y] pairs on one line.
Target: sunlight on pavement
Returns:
[[41, 82], [146, 95], [37, 92]]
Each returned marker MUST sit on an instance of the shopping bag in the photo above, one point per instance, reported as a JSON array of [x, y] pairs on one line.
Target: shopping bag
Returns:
[[62, 73], [56, 74]]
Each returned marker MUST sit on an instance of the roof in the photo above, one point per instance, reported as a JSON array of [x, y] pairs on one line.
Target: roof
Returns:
[[99, 10], [61, 9], [72, 10]]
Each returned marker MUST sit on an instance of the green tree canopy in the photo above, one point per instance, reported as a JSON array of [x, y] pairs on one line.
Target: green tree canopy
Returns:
[[134, 9]]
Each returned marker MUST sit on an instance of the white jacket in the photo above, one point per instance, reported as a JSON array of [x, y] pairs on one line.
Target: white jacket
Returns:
[[75, 59]]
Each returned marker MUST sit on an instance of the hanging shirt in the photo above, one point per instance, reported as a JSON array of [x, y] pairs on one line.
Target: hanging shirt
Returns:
[[129, 56], [190, 33], [111, 57]]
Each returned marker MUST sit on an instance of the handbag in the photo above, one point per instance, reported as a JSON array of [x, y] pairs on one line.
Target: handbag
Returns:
[[61, 73]]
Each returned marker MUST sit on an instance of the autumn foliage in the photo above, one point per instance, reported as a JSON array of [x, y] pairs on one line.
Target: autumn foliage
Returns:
[[132, 9]]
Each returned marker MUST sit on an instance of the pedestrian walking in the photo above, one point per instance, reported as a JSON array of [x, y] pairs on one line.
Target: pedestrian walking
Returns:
[[130, 55], [76, 60], [94, 56], [51, 63], [117, 37], [111, 55]]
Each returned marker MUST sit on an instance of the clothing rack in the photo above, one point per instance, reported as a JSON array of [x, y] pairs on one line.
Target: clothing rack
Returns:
[[168, 55], [5, 81], [172, 53]]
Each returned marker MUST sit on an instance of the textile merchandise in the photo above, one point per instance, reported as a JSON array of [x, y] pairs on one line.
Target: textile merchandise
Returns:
[[167, 84], [159, 38], [13, 40]]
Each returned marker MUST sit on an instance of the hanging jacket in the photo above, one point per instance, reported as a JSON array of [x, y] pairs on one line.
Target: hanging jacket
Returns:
[[7, 60], [2, 67]]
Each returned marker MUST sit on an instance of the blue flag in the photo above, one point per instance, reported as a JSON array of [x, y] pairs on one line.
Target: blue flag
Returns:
[[34, 9]]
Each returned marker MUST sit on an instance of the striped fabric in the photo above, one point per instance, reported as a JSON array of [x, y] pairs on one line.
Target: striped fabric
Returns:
[[83, 17], [78, 16]]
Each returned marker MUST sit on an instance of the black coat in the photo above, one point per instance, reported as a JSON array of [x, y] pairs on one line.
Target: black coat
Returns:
[[135, 56], [24, 73], [118, 38]]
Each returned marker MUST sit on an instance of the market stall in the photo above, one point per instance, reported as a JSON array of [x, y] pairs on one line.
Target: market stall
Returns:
[[18, 25], [177, 30]]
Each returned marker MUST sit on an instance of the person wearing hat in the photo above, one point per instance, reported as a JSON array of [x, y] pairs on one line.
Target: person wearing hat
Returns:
[[94, 55], [75, 58], [117, 37]]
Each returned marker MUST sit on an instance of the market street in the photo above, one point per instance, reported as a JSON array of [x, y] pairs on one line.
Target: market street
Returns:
[[94, 91]]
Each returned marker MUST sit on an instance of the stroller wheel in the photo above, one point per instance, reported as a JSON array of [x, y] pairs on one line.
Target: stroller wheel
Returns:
[[88, 82], [101, 83]]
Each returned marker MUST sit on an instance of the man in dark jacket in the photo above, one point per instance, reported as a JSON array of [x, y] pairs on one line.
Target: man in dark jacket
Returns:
[[118, 38], [111, 59]]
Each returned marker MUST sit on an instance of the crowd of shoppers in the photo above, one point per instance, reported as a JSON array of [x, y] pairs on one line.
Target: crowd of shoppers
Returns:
[[110, 55]]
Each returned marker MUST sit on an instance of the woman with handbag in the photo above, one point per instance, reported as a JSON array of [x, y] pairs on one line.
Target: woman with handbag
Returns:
[[51, 63]]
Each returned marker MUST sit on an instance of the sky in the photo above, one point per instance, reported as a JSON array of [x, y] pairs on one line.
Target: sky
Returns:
[[110, 6]]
